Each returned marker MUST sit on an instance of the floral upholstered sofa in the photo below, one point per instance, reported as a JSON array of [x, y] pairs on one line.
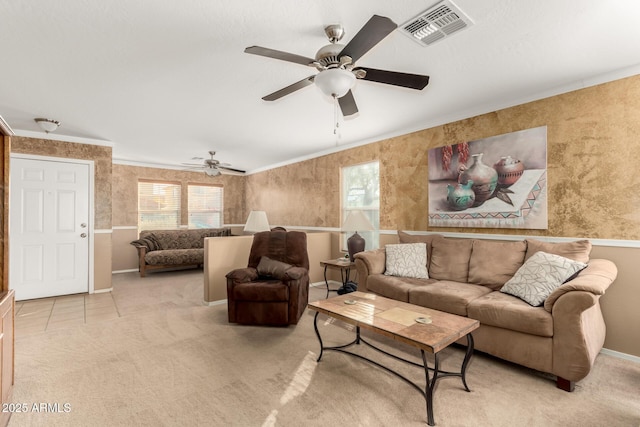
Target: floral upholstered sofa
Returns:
[[158, 249], [538, 303]]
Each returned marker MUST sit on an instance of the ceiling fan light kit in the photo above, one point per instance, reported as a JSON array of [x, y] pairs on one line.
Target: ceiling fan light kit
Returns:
[[335, 82], [47, 125], [335, 63]]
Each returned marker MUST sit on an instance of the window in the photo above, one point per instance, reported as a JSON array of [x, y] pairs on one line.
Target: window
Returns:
[[361, 190], [158, 205], [205, 206]]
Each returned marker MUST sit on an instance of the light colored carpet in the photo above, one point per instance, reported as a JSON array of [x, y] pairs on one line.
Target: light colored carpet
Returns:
[[171, 361]]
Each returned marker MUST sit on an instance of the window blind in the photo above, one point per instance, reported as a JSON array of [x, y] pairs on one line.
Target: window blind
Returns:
[[361, 190], [205, 206], [158, 205]]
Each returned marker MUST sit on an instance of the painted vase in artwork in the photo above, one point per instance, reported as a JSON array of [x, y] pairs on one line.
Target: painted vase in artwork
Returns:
[[460, 196], [509, 170], [485, 179]]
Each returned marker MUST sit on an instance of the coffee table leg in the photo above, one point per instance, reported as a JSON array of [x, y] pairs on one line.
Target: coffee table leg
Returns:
[[431, 385], [315, 326], [465, 362]]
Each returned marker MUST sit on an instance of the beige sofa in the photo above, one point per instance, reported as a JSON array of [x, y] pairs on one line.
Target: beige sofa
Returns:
[[562, 337], [161, 249]]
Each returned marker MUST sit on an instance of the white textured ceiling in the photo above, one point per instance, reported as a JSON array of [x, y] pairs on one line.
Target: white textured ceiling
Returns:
[[165, 81]]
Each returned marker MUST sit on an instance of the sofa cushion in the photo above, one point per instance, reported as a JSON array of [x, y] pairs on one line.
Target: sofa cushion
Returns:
[[394, 287], [271, 268], [446, 295], [406, 260], [577, 251], [175, 257], [540, 275], [508, 312], [450, 259], [492, 263], [419, 238]]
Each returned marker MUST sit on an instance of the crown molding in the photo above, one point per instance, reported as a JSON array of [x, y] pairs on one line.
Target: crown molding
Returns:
[[63, 138], [5, 128]]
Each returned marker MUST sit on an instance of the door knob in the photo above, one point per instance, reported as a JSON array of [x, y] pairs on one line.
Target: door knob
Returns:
[[83, 225], [83, 235]]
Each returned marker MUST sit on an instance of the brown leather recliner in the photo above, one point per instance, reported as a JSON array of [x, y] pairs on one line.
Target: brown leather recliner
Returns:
[[274, 288]]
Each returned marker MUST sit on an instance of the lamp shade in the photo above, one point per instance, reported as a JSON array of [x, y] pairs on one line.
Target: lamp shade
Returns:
[[256, 222], [356, 220], [335, 82]]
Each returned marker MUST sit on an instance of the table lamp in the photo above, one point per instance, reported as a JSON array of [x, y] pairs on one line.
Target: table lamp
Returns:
[[356, 220], [256, 222]]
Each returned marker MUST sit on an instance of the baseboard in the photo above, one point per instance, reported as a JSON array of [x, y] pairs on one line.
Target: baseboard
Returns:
[[620, 355], [324, 285], [214, 303], [133, 270], [102, 291]]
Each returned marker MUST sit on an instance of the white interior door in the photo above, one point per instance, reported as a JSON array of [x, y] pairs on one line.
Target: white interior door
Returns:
[[49, 228]]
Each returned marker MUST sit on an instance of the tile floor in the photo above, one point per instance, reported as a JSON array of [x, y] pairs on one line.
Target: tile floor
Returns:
[[45, 314]]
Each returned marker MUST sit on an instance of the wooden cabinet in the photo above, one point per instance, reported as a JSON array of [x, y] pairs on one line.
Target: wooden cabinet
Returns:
[[7, 298], [7, 304]]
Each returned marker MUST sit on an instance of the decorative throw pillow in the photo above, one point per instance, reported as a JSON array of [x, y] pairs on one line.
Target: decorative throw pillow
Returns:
[[540, 275], [407, 260], [148, 242], [271, 268]]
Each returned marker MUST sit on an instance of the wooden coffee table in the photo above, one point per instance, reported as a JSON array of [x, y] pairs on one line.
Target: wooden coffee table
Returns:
[[428, 330]]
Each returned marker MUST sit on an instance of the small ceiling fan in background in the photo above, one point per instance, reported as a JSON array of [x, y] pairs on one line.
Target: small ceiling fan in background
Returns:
[[213, 167], [336, 64]]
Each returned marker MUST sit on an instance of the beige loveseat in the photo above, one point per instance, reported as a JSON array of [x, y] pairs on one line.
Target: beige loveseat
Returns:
[[159, 249], [562, 337]]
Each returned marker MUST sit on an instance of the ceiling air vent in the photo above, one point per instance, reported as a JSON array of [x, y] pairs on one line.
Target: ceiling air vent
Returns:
[[436, 23]]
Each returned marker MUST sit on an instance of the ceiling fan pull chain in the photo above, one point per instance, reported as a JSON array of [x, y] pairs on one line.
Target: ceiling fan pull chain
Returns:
[[336, 120]]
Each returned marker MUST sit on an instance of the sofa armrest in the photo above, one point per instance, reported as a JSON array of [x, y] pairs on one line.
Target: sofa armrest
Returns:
[[596, 278], [578, 326], [242, 275], [368, 263], [142, 251]]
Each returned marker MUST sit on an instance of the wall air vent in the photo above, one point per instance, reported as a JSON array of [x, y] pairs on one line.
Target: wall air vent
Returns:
[[439, 21]]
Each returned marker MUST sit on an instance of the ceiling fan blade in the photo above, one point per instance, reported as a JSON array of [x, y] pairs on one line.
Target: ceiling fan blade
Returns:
[[231, 169], [412, 81], [376, 29], [348, 104], [278, 54], [289, 89]]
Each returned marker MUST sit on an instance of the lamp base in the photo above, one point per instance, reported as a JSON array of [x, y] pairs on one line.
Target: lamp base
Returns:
[[355, 244]]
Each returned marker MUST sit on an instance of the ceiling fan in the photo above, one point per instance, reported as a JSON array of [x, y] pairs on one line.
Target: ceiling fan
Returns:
[[336, 64], [213, 167]]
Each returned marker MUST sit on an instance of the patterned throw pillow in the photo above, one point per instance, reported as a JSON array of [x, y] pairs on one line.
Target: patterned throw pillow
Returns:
[[407, 260], [540, 275], [268, 267]]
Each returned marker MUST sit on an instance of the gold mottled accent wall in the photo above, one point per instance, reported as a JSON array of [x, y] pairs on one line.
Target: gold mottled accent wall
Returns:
[[592, 153], [125, 192], [101, 157]]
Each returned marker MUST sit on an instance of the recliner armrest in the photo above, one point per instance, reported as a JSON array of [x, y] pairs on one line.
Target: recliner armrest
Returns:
[[295, 273], [243, 275]]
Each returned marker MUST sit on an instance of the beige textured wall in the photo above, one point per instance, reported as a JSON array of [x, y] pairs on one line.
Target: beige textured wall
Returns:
[[102, 261], [125, 192], [125, 257], [592, 153]]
